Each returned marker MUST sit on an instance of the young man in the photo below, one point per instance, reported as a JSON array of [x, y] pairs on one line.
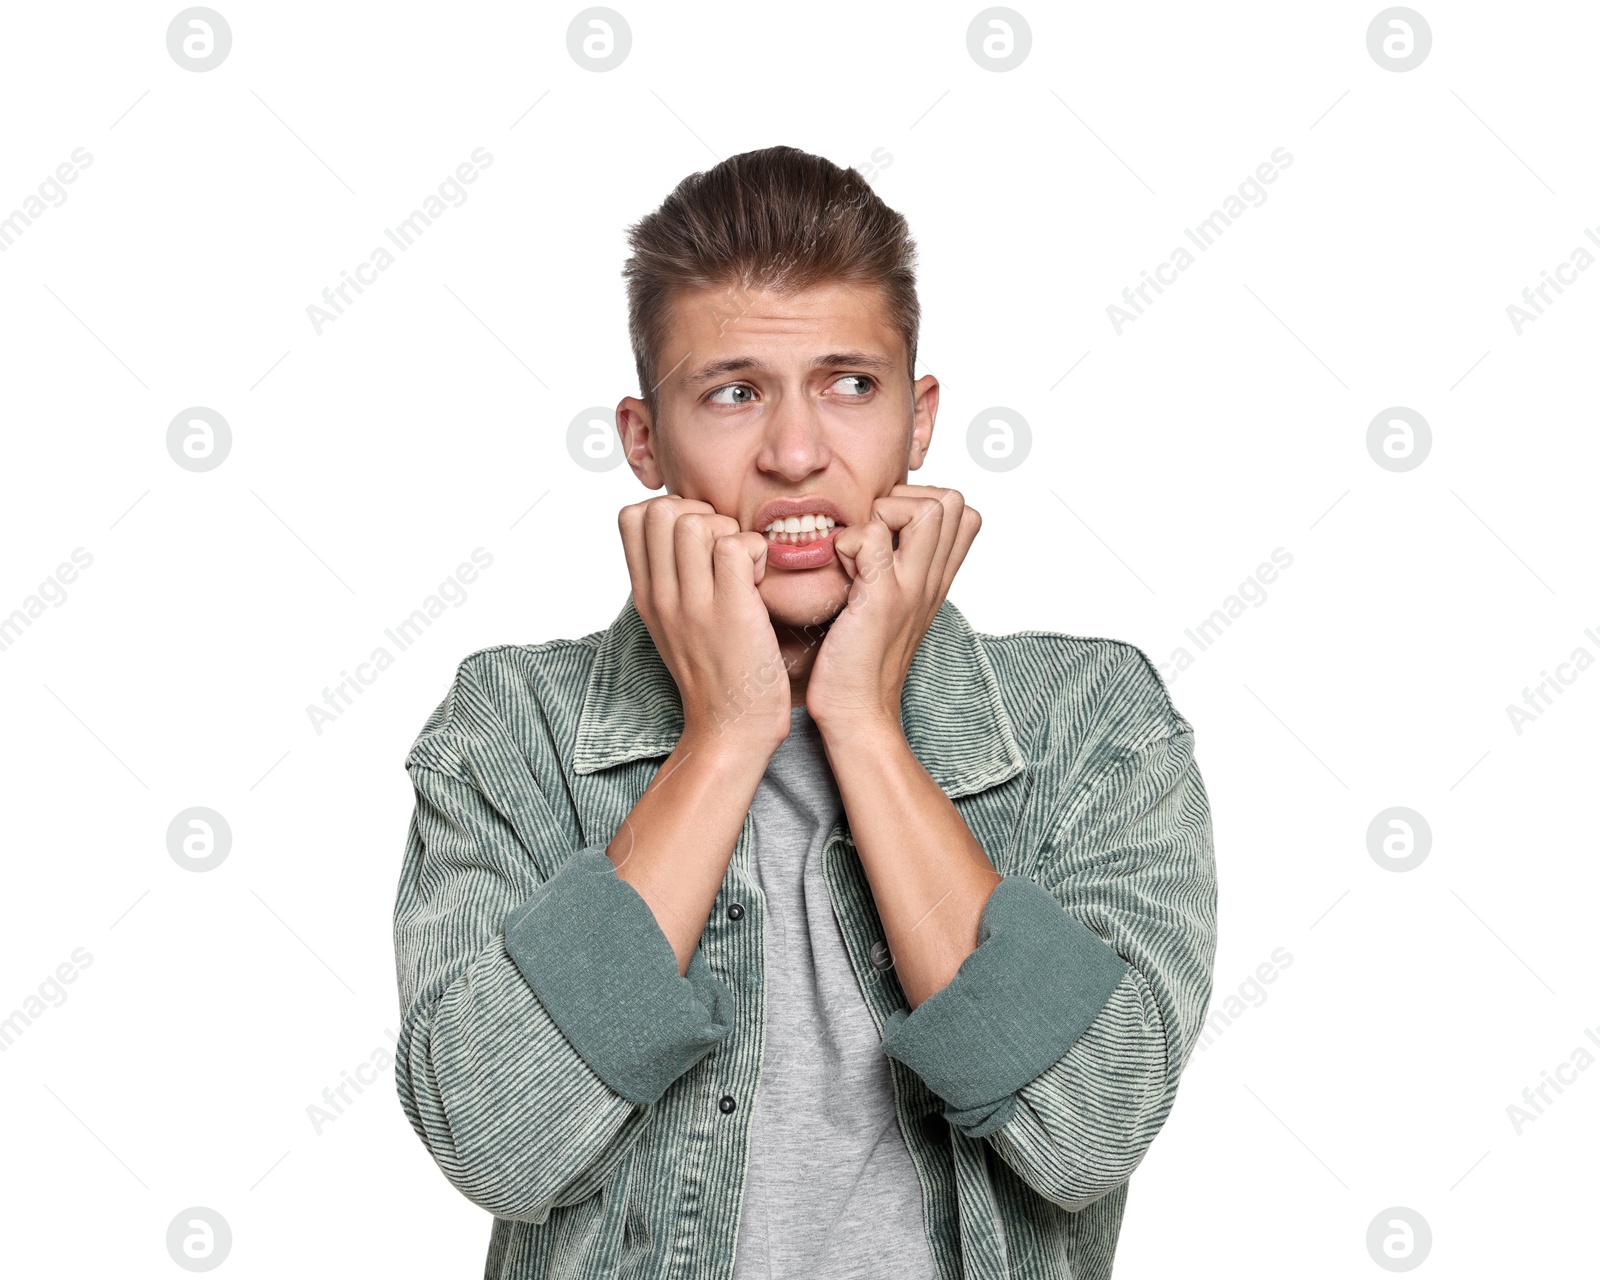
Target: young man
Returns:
[[789, 927]]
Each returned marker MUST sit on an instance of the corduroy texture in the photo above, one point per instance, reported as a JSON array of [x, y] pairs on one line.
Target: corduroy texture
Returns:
[[592, 951], [1066, 760], [1036, 980]]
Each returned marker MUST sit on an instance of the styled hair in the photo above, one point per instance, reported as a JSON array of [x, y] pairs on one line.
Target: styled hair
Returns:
[[780, 219]]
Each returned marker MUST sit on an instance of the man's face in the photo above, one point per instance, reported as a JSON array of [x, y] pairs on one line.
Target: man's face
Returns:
[[766, 398]]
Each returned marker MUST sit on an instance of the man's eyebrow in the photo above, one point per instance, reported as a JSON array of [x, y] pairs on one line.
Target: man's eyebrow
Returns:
[[749, 364]]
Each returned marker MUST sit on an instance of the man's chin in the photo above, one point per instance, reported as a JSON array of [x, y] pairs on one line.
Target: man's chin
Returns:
[[798, 601]]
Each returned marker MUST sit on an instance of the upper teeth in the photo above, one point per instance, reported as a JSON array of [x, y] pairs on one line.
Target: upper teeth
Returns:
[[801, 524]]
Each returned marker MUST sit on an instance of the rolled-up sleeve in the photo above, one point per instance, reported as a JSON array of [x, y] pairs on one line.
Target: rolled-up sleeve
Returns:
[[1019, 1001], [541, 1008], [592, 950], [1062, 1036]]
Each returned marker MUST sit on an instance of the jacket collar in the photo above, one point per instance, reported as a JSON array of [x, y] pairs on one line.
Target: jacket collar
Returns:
[[950, 709]]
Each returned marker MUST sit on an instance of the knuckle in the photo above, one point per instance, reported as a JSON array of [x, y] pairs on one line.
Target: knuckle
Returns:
[[691, 531]]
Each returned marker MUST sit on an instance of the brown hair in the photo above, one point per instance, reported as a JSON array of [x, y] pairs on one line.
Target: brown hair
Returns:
[[779, 219]]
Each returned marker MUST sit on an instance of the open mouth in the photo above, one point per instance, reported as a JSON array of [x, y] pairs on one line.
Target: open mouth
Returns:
[[802, 542], [800, 530]]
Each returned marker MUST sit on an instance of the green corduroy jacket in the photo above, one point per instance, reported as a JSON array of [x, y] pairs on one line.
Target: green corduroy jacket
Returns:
[[567, 1079]]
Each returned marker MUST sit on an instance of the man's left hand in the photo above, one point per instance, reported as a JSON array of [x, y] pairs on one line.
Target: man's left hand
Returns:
[[861, 667]]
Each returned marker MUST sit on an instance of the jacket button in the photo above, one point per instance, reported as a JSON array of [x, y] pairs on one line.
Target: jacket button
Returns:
[[935, 1128], [727, 1103], [735, 911], [881, 959]]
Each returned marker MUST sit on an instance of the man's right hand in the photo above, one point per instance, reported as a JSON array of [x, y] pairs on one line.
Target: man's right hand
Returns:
[[694, 577]]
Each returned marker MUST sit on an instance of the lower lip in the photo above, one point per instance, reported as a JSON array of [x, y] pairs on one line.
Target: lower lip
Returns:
[[802, 555]]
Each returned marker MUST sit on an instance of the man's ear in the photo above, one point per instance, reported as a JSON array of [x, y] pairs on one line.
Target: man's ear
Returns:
[[637, 434], [925, 408]]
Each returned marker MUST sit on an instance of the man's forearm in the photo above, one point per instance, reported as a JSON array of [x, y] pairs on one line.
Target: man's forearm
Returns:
[[929, 875], [674, 846]]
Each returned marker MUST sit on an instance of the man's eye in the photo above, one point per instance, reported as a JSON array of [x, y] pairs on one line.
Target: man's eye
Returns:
[[743, 391]]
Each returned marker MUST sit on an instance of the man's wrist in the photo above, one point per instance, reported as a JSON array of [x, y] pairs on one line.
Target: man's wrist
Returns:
[[861, 731], [726, 748]]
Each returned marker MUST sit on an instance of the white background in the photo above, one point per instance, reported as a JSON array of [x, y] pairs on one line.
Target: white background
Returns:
[[368, 461]]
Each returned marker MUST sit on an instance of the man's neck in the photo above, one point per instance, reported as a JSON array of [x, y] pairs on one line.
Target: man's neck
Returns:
[[799, 648]]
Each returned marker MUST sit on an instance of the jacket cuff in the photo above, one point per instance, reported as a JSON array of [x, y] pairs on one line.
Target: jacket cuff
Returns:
[[591, 949], [1019, 1001]]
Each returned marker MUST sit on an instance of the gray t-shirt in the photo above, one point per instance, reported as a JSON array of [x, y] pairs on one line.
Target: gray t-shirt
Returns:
[[830, 1190]]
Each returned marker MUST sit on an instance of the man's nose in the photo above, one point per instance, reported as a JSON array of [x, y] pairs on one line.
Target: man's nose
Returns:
[[795, 446]]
